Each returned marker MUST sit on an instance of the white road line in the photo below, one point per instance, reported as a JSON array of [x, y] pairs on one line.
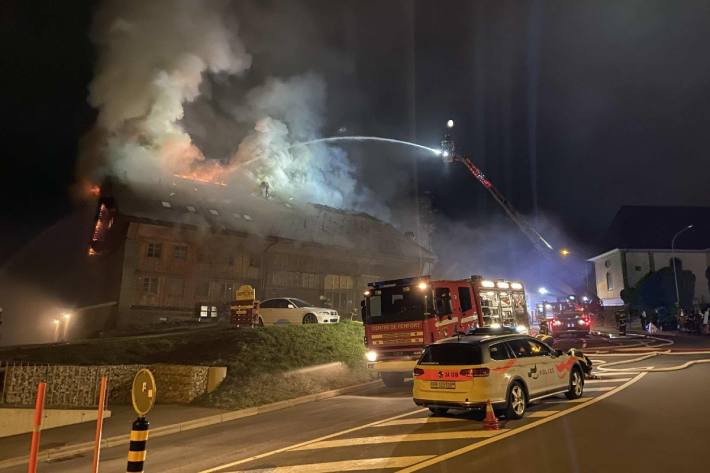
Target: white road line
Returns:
[[379, 439], [599, 389], [614, 375], [346, 465], [538, 414], [610, 380], [325, 437], [516, 431], [419, 420]]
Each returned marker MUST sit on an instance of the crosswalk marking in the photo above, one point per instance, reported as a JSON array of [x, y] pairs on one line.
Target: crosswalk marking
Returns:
[[610, 380], [599, 389], [345, 465], [535, 414], [377, 439], [419, 420]]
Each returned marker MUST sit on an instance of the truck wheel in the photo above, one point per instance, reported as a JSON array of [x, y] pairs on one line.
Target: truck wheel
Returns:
[[393, 380], [576, 384], [438, 411], [310, 319]]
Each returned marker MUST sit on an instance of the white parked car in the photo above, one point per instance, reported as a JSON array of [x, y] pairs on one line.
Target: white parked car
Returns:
[[289, 310]]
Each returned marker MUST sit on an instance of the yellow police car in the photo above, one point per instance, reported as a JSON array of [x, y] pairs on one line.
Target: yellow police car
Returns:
[[510, 370]]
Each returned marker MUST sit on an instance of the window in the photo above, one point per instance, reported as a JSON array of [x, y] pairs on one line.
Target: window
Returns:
[[301, 303], [154, 249], [538, 349], [191, 208], [442, 301], [214, 212], [180, 252], [499, 351], [609, 282], [208, 311], [452, 354], [165, 204], [338, 281], [637, 268], [465, 298], [270, 304], [521, 348], [607, 264], [150, 285]]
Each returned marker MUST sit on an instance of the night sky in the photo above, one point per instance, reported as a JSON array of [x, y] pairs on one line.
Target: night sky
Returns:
[[588, 105]]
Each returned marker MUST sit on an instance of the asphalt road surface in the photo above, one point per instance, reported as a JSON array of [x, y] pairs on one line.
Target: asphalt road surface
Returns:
[[628, 421]]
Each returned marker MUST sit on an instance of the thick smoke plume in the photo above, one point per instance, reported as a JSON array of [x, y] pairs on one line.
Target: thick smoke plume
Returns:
[[157, 57]]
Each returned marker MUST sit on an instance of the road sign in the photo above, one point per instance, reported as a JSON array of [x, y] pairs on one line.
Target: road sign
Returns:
[[143, 392]]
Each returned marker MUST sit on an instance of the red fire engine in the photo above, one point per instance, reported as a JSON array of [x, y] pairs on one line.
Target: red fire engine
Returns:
[[402, 316]]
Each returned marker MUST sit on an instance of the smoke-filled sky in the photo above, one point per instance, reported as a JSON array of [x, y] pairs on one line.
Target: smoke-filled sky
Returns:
[[571, 108]]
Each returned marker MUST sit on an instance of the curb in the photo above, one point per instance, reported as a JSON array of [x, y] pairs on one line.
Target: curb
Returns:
[[59, 453]]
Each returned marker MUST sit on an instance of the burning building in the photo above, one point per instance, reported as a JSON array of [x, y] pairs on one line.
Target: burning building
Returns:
[[163, 248]]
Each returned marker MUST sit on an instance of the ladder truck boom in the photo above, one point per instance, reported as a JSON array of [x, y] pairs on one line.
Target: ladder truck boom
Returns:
[[449, 155]]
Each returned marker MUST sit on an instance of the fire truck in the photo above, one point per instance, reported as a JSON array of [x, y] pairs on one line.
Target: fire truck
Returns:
[[402, 316]]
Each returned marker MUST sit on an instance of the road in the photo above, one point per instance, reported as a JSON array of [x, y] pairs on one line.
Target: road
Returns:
[[627, 421]]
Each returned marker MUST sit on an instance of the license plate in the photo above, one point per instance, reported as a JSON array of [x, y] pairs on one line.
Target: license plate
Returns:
[[570, 325], [443, 385]]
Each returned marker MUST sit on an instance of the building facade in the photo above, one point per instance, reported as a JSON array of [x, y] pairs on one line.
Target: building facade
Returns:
[[174, 248], [618, 269]]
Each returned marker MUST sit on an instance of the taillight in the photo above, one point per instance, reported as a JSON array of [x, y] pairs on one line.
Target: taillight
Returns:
[[475, 372], [418, 372]]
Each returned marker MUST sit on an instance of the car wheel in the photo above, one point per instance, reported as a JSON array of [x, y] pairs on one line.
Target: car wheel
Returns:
[[517, 401], [438, 411], [310, 319], [576, 384], [393, 380]]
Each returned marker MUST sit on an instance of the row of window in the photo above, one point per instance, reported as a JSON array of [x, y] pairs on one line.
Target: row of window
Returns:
[[155, 250], [225, 289]]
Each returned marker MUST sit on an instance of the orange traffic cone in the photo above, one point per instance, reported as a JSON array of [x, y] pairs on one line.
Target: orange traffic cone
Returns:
[[490, 422]]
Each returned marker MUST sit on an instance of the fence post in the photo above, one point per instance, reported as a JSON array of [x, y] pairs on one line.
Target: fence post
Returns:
[[99, 424], [36, 428]]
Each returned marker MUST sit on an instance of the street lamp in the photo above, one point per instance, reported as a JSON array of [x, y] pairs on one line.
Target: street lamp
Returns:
[[564, 252], [543, 291], [675, 274]]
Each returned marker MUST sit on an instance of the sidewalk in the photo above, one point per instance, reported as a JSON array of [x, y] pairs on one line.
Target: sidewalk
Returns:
[[122, 417]]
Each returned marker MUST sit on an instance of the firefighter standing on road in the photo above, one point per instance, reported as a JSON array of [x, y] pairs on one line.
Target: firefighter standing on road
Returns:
[[621, 321]]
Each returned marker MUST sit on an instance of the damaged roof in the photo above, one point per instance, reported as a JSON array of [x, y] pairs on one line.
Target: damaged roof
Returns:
[[242, 210]]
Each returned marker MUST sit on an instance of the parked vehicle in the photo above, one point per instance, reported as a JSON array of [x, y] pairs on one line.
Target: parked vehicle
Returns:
[[290, 310]]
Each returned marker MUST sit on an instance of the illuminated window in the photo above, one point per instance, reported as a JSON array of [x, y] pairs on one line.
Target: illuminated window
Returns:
[[150, 285], [154, 250], [180, 252], [609, 282]]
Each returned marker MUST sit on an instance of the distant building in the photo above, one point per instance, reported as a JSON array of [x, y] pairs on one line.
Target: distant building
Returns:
[[639, 241], [155, 252]]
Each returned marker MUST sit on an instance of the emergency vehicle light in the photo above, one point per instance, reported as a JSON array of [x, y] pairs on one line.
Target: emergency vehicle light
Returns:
[[516, 285], [503, 285], [487, 284]]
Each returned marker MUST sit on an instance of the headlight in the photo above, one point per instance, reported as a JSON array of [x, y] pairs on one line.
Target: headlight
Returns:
[[521, 329], [371, 356], [580, 322]]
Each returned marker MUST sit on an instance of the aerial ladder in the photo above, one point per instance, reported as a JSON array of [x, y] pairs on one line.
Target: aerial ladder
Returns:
[[449, 155]]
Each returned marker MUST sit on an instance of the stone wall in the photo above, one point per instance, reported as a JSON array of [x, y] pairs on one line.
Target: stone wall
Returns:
[[77, 386]]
